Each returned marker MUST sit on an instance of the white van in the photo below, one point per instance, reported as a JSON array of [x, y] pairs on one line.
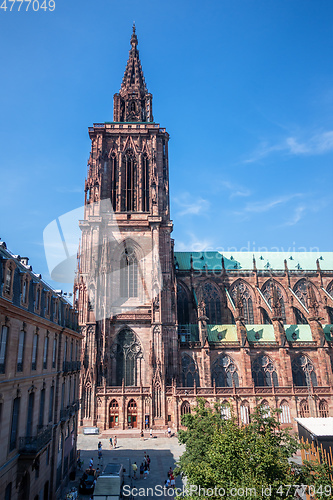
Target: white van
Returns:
[[109, 484]]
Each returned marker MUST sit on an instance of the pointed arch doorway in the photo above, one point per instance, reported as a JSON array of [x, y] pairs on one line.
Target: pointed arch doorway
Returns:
[[113, 414], [132, 414]]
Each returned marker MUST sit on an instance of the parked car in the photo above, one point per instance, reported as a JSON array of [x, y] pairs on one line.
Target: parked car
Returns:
[[87, 481]]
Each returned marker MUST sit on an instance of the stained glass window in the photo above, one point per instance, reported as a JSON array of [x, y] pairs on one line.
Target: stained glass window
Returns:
[[304, 409], [128, 351], [246, 299], [263, 372], [129, 201], [323, 409], [185, 408], [245, 412], [285, 413], [182, 306], [224, 372], [145, 184], [190, 372], [267, 291], [212, 301], [303, 372]]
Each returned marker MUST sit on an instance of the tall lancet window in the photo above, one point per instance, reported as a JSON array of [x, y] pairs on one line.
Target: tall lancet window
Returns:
[[114, 182], [128, 274], [129, 183], [145, 184], [128, 353]]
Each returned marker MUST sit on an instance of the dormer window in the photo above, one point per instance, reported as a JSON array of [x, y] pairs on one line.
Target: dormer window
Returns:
[[55, 310], [8, 281], [37, 298], [47, 304], [24, 292]]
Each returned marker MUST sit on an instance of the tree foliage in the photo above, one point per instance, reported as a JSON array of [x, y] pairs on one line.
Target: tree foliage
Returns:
[[247, 461]]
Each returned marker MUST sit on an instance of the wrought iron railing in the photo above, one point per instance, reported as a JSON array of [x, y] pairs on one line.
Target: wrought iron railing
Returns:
[[65, 414], [30, 445]]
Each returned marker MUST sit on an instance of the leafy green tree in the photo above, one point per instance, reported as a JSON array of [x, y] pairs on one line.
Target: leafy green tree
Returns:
[[232, 461]]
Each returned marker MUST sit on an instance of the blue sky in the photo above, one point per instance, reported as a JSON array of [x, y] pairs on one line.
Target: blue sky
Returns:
[[244, 88]]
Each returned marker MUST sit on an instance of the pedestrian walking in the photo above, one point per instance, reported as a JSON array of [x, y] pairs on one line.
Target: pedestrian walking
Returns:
[[146, 471], [135, 468], [148, 462], [170, 472], [115, 442], [172, 481], [169, 432], [141, 471], [110, 442], [151, 433], [142, 437], [91, 463]]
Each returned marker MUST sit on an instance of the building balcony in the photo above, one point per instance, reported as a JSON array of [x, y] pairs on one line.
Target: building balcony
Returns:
[[74, 407], [69, 411], [76, 366], [65, 414], [32, 445]]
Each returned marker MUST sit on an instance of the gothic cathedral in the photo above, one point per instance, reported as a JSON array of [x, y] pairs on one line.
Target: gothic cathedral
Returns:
[[162, 327]]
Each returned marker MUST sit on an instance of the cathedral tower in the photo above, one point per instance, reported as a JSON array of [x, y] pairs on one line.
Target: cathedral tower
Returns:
[[125, 286]]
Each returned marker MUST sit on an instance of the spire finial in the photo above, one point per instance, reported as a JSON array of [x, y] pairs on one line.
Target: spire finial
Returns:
[[134, 38]]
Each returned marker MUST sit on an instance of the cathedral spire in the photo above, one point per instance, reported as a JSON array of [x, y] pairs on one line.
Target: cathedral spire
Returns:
[[133, 103]]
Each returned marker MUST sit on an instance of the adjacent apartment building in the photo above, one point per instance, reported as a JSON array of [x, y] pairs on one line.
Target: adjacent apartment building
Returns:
[[39, 383]]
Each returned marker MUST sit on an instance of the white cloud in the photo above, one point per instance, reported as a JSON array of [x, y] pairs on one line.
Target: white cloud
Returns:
[[316, 144], [236, 189], [194, 244], [266, 205], [297, 215], [190, 205]]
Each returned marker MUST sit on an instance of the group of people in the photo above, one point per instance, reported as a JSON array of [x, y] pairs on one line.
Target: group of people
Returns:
[[144, 468], [170, 482], [113, 444]]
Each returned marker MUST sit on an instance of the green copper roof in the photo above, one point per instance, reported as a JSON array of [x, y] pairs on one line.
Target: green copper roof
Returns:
[[303, 333], [222, 333], [255, 333], [296, 261], [328, 331], [260, 333]]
